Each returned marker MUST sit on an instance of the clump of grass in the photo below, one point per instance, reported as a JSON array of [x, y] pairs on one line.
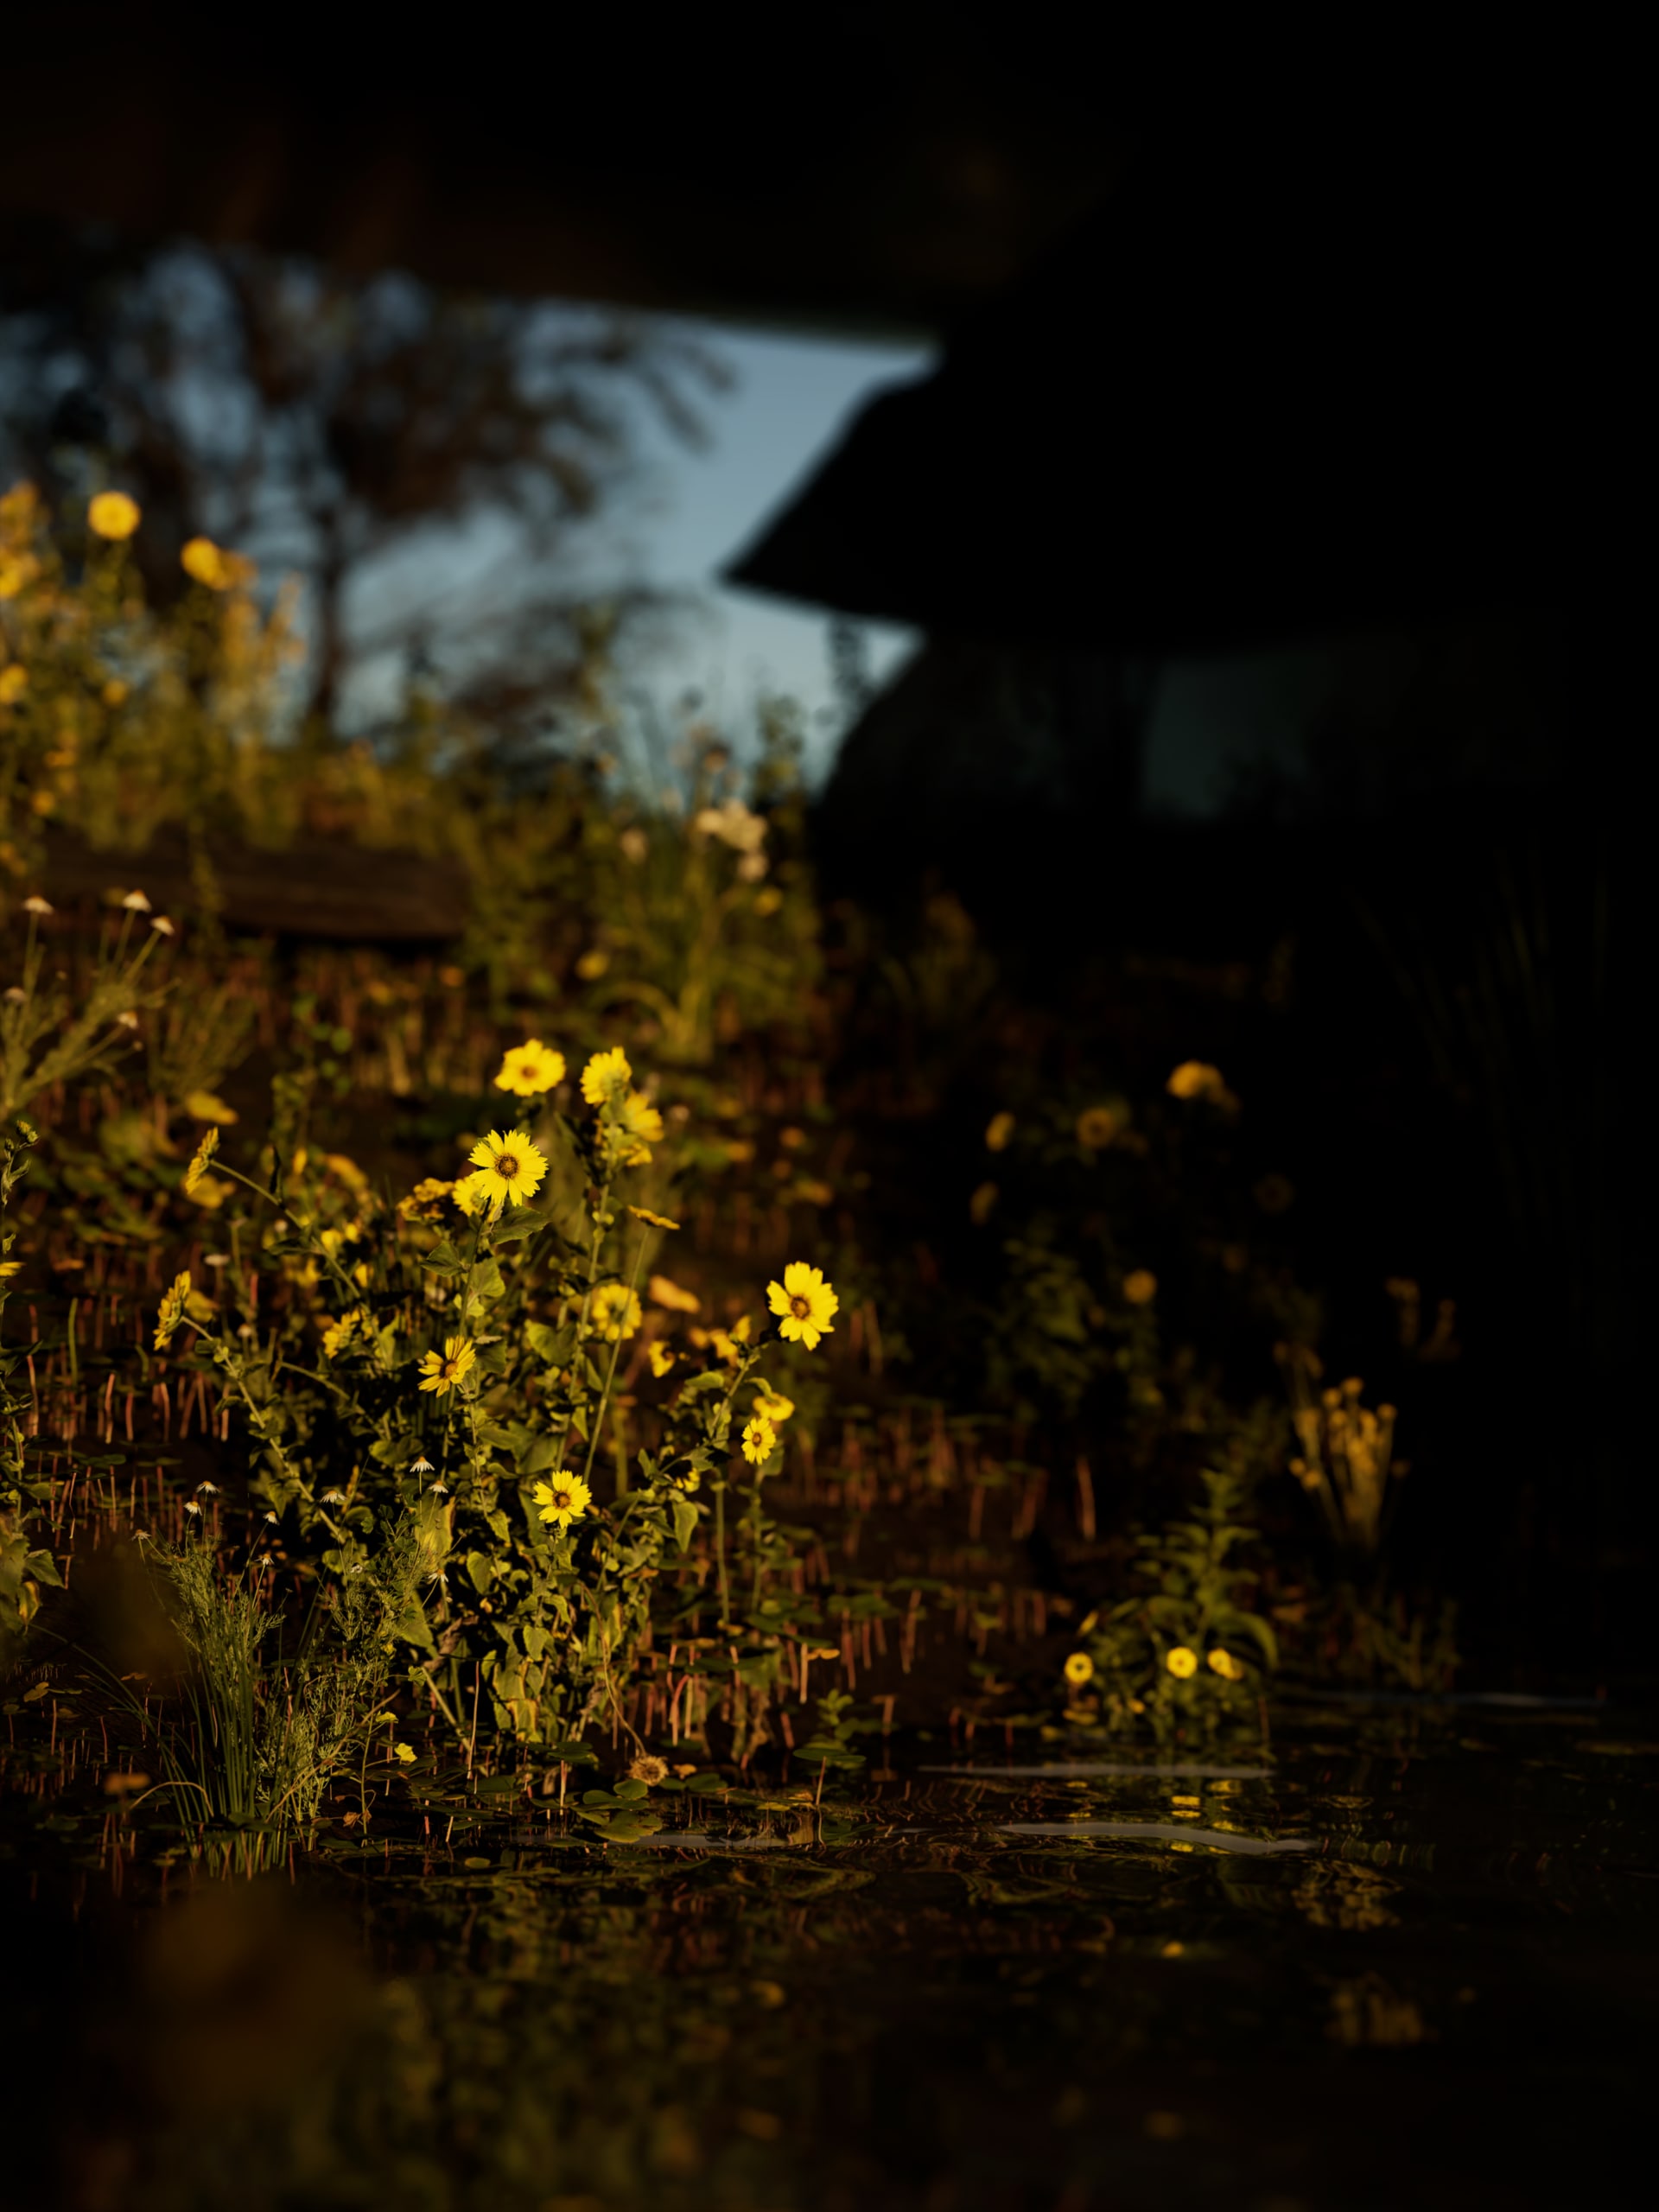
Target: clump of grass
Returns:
[[258, 1738]]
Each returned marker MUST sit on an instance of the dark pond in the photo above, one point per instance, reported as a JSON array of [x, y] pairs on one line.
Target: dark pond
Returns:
[[1405, 1957]]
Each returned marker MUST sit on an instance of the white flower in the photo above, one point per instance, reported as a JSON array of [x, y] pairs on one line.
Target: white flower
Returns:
[[272, 1518], [136, 903], [160, 922], [35, 905], [333, 1497], [215, 1259], [210, 1490], [421, 1467], [127, 1020], [190, 1505]]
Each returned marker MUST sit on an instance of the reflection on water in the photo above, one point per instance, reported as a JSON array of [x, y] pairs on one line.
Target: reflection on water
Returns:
[[1394, 1965]]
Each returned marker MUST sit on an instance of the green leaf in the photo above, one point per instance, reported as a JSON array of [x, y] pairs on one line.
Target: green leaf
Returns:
[[412, 1627], [686, 1521], [556, 1346], [481, 1567], [517, 1222], [444, 1259]]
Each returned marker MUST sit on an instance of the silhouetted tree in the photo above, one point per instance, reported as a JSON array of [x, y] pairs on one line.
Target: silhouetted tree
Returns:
[[328, 427]]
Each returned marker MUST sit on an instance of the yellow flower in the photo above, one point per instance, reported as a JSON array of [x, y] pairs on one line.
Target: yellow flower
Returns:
[[9, 1268], [661, 1359], [174, 1301], [563, 1500], [1096, 1127], [663, 1292], [998, 1132], [209, 1106], [760, 1438], [440, 1371], [509, 1168], [339, 1334], [1225, 1664], [615, 1311], [804, 1304], [113, 515], [773, 1404], [635, 1126], [1141, 1286], [423, 1201], [405, 1754], [202, 559], [1182, 1662], [605, 1076], [1196, 1079], [530, 1067], [198, 1159], [469, 1194], [652, 1220], [1079, 1670]]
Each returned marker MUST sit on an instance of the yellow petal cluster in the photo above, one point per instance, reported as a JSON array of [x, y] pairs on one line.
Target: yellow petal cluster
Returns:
[[805, 1303], [614, 1312], [529, 1068], [759, 1438], [561, 1499], [112, 515], [510, 1169], [440, 1371]]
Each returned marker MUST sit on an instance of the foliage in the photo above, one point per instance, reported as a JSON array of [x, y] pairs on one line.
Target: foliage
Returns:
[[1186, 1650], [455, 1356]]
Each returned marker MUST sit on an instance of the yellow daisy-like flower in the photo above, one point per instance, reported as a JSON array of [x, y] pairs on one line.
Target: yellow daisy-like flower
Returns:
[[1182, 1662], [772, 1404], [340, 1334], [635, 1126], [510, 1169], [661, 1359], [1141, 1286], [198, 1159], [175, 1298], [759, 1438], [442, 1371], [469, 1194], [9, 1267], [805, 1303], [1195, 1079], [113, 515], [615, 1311], [1079, 1670], [605, 1076], [662, 1291], [405, 1755], [529, 1068], [1225, 1664], [422, 1202], [563, 1499]]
